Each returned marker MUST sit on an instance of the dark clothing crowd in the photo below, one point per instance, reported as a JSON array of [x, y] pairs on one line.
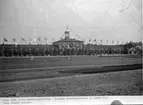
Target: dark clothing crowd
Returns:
[[45, 50]]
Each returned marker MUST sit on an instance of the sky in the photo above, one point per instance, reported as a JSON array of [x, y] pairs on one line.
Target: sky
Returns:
[[118, 20]]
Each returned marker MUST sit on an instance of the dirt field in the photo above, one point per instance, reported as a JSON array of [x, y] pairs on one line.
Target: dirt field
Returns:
[[37, 62], [61, 76], [115, 83]]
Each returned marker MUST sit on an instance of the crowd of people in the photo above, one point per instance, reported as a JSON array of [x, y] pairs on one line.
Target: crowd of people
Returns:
[[54, 51]]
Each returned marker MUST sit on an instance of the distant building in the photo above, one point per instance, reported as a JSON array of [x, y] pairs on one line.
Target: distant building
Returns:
[[68, 43], [135, 50]]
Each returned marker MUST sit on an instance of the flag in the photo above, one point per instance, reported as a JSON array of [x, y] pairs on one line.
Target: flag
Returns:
[[107, 41], [35, 38], [101, 41], [39, 38], [117, 42], [112, 41], [5, 40], [45, 39], [30, 39], [14, 40], [22, 39], [53, 39]]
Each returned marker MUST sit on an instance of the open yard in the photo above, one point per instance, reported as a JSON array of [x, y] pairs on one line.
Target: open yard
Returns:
[[66, 76]]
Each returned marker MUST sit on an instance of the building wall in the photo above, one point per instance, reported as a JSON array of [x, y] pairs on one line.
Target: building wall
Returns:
[[69, 45]]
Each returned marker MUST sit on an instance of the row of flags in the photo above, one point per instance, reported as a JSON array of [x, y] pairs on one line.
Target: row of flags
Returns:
[[14, 40], [45, 39], [24, 40], [106, 41]]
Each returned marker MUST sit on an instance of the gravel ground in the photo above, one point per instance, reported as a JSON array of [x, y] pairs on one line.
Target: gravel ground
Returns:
[[115, 83]]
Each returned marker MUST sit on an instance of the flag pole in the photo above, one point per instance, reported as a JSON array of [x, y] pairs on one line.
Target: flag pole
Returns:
[[12, 50], [3, 48], [12, 46], [45, 44], [21, 47], [29, 49], [14, 40], [101, 48], [35, 35]]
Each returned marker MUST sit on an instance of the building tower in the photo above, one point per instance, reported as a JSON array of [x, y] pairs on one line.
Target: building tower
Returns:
[[67, 33]]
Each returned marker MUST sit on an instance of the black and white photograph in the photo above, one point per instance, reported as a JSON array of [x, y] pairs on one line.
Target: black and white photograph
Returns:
[[66, 48]]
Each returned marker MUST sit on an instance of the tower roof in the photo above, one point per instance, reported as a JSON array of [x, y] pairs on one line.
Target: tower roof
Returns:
[[67, 29], [67, 37]]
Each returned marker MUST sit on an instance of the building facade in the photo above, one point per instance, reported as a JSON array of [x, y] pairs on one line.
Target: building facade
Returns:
[[68, 43]]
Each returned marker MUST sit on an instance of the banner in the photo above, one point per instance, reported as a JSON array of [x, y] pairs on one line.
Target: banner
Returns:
[[81, 100]]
